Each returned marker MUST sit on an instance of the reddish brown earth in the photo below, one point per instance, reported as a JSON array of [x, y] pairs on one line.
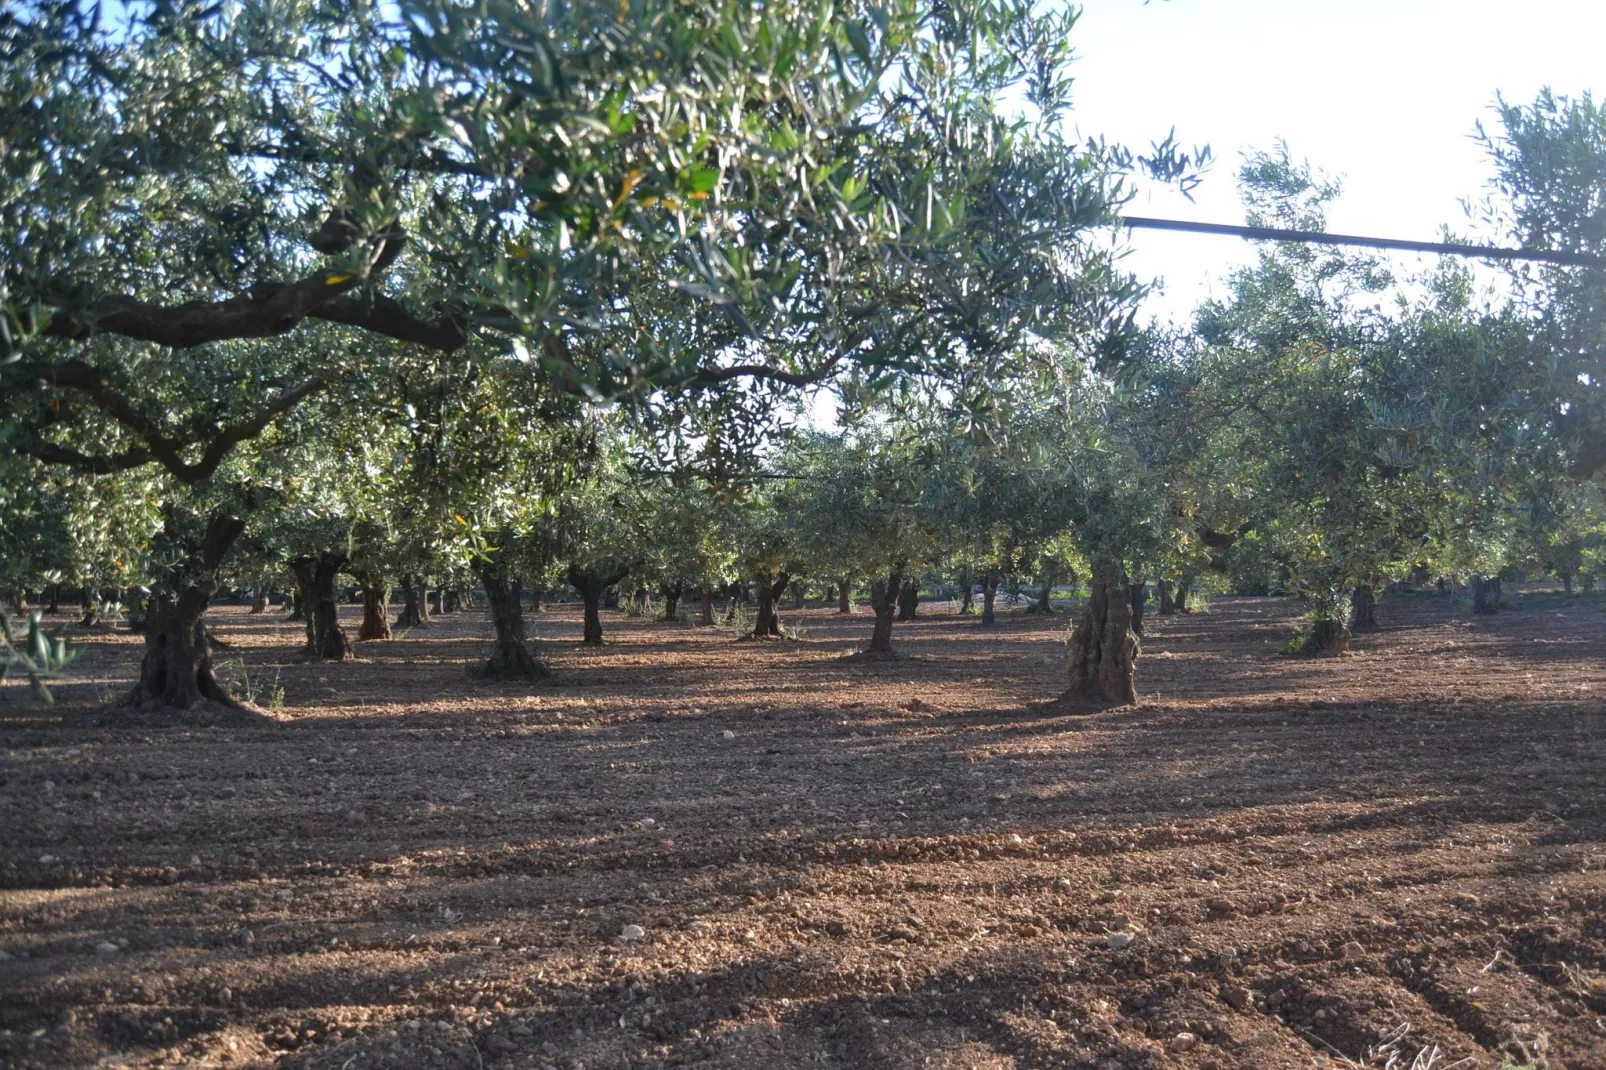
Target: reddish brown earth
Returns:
[[1393, 859]]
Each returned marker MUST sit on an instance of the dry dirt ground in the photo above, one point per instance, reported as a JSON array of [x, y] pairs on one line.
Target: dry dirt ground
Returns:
[[1389, 859]]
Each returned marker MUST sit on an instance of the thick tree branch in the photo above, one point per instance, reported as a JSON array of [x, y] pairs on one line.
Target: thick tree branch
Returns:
[[79, 376], [267, 309], [387, 316], [99, 465]]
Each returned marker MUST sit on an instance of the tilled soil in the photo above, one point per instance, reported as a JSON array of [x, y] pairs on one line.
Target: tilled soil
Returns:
[[1390, 859]]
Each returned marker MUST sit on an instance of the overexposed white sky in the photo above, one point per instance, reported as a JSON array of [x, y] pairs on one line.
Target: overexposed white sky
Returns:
[[1384, 93]]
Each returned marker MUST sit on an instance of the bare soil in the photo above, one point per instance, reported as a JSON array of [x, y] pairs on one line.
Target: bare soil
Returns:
[[1394, 855]]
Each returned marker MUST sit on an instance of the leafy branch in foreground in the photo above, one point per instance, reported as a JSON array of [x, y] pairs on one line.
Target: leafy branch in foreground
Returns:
[[40, 655]]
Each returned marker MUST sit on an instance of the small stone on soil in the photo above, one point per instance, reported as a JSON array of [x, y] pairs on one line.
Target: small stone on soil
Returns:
[[1236, 998], [632, 932], [727, 734], [106, 947], [1352, 950], [1183, 1042]]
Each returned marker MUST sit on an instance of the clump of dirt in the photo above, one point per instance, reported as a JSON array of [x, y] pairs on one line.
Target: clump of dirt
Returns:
[[698, 851]]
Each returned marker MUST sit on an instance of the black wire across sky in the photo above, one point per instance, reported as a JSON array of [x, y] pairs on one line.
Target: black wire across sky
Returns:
[[1316, 237]]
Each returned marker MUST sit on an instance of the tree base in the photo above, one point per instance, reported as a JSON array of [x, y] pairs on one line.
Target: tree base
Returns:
[[203, 714], [1324, 637], [515, 662], [877, 656]]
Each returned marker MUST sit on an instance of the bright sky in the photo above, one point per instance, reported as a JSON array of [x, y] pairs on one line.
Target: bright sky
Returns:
[[1384, 93]]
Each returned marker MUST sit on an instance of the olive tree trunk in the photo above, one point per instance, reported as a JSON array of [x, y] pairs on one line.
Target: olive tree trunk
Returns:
[[177, 667], [884, 602], [1184, 592], [512, 658], [375, 607], [259, 601], [1168, 601], [1363, 608], [1485, 595], [1138, 595], [705, 607], [908, 599], [316, 577], [768, 623], [593, 586], [671, 593], [844, 596], [1104, 652], [414, 610], [989, 599]]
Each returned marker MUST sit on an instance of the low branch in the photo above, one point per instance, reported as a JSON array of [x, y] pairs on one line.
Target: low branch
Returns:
[[99, 465], [267, 309], [232, 436], [388, 317], [79, 376]]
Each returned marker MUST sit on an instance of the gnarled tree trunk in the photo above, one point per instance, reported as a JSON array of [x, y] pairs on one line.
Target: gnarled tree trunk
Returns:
[[592, 587], [297, 603], [844, 596], [989, 599], [1168, 601], [908, 599], [1485, 595], [91, 607], [316, 577], [705, 607], [967, 602], [1363, 608], [884, 602], [375, 606], [1137, 595], [177, 667], [671, 593], [1045, 597], [768, 623], [1184, 592], [414, 610], [259, 600], [1104, 652], [512, 659]]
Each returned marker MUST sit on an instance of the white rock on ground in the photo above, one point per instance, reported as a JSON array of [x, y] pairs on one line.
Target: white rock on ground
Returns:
[[106, 947], [632, 932], [1183, 1042]]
